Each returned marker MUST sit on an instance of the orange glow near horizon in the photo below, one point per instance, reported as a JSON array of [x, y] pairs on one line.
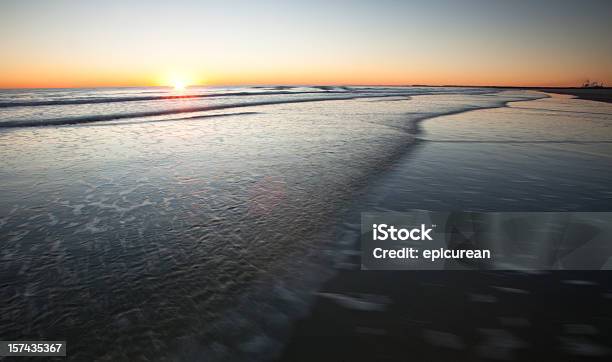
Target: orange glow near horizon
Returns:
[[69, 73], [41, 78]]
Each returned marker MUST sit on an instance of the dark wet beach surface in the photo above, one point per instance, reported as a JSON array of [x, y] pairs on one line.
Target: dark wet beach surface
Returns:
[[535, 160], [457, 316]]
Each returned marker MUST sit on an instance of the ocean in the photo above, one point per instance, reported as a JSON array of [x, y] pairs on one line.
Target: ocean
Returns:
[[147, 222]]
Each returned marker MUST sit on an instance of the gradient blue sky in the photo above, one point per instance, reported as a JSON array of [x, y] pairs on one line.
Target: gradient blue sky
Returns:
[[92, 43]]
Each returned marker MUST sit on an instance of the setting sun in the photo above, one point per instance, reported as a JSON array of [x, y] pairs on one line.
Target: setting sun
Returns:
[[179, 80], [179, 85]]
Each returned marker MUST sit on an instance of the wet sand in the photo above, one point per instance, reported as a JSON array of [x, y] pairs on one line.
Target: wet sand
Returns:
[[457, 316], [544, 155]]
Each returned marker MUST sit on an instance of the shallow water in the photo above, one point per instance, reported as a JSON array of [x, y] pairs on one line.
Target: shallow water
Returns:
[[71, 106], [208, 234]]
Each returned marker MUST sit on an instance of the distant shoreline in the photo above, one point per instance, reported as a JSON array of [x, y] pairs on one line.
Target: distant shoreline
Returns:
[[603, 94], [593, 94]]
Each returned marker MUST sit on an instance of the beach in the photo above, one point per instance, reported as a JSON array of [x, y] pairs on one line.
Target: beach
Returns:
[[176, 227], [593, 94], [240, 181], [542, 155]]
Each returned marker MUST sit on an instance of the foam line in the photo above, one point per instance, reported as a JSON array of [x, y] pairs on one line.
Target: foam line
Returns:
[[114, 116]]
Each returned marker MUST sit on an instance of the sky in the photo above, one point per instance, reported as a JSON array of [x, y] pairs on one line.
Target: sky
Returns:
[[64, 43]]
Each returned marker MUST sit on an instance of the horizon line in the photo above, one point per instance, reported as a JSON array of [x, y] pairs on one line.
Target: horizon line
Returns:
[[319, 85]]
